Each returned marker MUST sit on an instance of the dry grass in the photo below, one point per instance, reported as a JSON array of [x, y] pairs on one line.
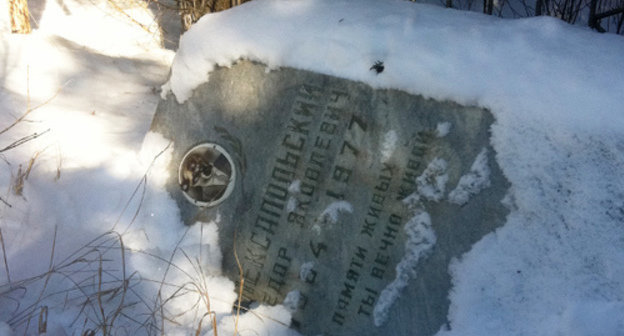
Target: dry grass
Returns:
[[83, 279], [23, 173], [93, 283], [29, 110], [4, 257], [240, 287]]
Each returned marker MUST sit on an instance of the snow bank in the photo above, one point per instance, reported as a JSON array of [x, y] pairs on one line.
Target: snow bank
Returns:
[[537, 68], [555, 91]]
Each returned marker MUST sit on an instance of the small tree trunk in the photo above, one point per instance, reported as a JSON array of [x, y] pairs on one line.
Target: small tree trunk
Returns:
[[488, 6], [538, 7], [594, 18], [193, 10], [449, 3], [20, 21]]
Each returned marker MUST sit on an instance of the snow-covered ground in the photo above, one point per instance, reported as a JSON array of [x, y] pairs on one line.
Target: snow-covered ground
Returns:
[[92, 239]]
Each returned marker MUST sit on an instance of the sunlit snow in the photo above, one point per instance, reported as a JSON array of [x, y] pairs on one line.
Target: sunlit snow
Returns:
[[555, 91]]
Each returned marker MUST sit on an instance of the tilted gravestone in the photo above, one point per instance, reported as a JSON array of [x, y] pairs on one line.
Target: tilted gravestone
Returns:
[[351, 199]]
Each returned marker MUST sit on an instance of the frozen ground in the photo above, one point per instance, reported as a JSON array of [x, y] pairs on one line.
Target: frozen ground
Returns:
[[554, 268]]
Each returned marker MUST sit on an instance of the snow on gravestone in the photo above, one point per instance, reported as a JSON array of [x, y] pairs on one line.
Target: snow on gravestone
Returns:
[[353, 200]]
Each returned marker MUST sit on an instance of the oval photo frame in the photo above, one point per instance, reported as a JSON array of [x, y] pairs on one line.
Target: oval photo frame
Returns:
[[206, 175]]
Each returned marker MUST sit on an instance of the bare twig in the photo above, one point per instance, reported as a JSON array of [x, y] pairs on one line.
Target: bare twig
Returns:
[[214, 323], [43, 320], [241, 286], [594, 17], [142, 184], [5, 202], [164, 277], [124, 279], [29, 110], [22, 176], [23, 140], [119, 9], [99, 299], [49, 273], [6, 263]]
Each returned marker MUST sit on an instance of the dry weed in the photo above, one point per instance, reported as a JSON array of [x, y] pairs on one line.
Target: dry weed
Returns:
[[93, 284]]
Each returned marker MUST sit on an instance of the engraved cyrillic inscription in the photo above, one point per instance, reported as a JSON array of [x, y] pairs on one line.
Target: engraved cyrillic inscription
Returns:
[[324, 159], [357, 198]]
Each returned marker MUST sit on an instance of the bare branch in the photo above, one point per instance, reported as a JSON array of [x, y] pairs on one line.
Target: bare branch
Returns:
[[608, 13], [29, 110], [23, 140], [6, 263]]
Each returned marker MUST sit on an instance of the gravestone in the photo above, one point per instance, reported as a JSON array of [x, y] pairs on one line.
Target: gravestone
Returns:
[[346, 201]]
